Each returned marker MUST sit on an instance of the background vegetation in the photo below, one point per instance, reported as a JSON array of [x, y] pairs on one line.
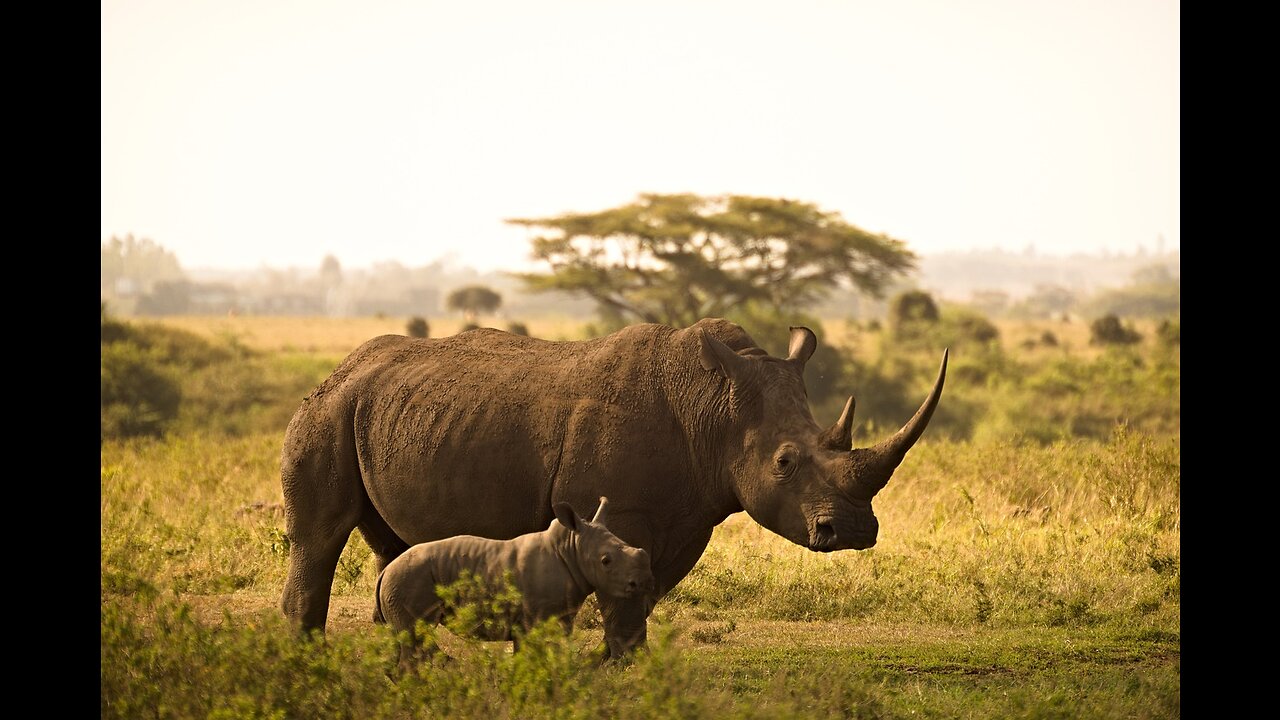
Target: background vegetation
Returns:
[[1029, 561]]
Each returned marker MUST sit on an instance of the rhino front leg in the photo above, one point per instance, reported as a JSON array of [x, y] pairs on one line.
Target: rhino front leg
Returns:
[[625, 624], [681, 562]]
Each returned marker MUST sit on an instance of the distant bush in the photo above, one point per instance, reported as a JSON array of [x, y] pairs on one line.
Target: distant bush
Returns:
[[518, 328], [1154, 292], [468, 326], [1169, 332], [417, 327], [1108, 330], [140, 395], [912, 307], [1048, 339], [157, 378], [970, 325]]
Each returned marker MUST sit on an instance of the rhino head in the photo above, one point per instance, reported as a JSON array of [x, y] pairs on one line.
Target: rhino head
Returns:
[[803, 482], [611, 566]]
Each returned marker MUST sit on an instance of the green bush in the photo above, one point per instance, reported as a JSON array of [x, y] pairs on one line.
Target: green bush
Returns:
[[157, 379], [518, 328], [1107, 330], [417, 327], [140, 394], [912, 307], [1169, 332]]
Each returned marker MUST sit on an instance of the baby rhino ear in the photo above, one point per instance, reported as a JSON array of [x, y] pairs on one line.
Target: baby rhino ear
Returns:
[[566, 515]]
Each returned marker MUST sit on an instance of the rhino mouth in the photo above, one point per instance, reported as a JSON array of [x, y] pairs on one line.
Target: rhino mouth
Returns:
[[823, 537]]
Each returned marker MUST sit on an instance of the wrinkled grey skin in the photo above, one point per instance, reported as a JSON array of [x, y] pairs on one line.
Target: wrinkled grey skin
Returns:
[[554, 570], [481, 433]]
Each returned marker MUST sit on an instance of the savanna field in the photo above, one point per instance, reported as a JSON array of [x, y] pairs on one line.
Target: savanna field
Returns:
[[1028, 563]]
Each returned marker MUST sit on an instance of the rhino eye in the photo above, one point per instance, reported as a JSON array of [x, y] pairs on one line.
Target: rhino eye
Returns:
[[784, 463], [604, 560]]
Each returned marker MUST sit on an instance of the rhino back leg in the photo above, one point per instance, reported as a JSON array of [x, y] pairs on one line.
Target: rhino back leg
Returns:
[[382, 540], [323, 501]]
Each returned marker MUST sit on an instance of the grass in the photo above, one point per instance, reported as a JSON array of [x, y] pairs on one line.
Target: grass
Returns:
[[1014, 577]]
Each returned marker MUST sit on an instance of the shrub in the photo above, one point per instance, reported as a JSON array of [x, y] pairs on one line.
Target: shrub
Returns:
[[418, 327], [1107, 330], [518, 328], [1169, 332], [140, 396], [913, 306]]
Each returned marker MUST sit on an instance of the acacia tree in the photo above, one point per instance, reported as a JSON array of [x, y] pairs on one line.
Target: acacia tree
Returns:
[[677, 258], [473, 300]]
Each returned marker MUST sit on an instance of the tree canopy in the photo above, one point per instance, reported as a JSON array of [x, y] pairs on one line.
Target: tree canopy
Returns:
[[473, 300], [677, 258]]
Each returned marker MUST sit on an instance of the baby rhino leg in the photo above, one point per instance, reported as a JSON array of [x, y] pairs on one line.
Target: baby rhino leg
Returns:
[[403, 602]]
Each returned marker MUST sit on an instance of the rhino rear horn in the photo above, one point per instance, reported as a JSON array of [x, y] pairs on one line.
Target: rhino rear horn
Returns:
[[803, 343], [840, 435]]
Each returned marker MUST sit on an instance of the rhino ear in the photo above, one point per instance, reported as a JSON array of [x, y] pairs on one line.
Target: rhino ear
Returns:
[[803, 343], [566, 515], [717, 356], [599, 518]]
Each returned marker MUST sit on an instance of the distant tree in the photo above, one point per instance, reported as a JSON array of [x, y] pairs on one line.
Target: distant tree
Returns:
[[417, 327], [1046, 301], [330, 272], [1155, 292], [518, 328], [167, 297], [990, 302], [1107, 330], [468, 326], [473, 300], [1152, 275], [677, 258], [142, 262]]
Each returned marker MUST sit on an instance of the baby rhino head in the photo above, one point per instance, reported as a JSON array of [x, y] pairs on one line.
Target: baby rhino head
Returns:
[[613, 567]]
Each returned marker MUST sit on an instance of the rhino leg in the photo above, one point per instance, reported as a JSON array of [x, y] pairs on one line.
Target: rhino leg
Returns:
[[681, 562], [382, 540], [625, 624], [323, 498], [626, 621]]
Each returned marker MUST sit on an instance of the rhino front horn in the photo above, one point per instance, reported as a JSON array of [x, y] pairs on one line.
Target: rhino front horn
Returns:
[[890, 452]]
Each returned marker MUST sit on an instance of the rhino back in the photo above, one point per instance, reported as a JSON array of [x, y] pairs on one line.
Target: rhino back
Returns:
[[480, 432], [406, 587]]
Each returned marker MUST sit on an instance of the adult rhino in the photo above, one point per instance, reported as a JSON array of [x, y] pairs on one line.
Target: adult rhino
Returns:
[[481, 433]]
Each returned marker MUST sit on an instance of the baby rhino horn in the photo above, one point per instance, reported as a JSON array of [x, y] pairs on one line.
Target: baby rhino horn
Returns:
[[600, 510]]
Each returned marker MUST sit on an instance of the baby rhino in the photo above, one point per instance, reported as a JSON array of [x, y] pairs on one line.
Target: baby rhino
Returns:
[[554, 570]]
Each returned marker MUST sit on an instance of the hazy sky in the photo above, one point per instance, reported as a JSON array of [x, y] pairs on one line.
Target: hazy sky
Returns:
[[239, 133]]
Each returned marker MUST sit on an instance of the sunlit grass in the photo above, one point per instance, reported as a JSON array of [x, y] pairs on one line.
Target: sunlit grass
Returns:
[[1016, 575]]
